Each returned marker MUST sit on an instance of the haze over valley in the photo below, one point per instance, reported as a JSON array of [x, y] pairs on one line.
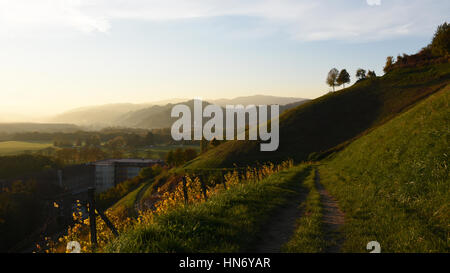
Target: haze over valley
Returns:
[[146, 115]]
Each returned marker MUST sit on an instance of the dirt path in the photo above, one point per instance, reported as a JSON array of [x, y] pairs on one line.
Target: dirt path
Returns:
[[137, 203], [333, 218], [281, 228], [283, 223]]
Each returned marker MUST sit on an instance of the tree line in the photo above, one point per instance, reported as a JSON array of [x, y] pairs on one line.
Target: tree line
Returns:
[[436, 52], [338, 78], [133, 137], [180, 156]]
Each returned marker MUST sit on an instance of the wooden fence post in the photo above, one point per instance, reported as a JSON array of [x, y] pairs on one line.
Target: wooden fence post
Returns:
[[108, 223], [185, 190], [224, 181], [202, 183], [91, 198]]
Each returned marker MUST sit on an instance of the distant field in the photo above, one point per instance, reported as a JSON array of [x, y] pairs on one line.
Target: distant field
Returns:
[[160, 151], [18, 147]]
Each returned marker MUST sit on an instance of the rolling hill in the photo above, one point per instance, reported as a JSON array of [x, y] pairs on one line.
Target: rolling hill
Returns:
[[327, 124], [156, 114], [257, 100], [159, 116], [393, 183], [104, 115], [151, 117]]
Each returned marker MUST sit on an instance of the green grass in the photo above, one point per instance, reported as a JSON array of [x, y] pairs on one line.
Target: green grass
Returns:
[[129, 200], [326, 124], [309, 234], [19, 147], [229, 222], [393, 184]]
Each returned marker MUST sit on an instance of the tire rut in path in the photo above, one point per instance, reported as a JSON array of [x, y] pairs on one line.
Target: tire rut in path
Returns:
[[333, 218], [281, 227]]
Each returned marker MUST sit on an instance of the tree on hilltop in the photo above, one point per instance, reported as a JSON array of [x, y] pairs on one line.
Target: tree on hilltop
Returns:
[[332, 77], [371, 74], [440, 45], [343, 78], [388, 65], [360, 74]]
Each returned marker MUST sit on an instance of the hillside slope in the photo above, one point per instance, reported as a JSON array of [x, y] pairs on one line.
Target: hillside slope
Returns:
[[106, 114], [155, 114], [230, 221], [393, 184], [333, 120], [103, 114], [257, 100]]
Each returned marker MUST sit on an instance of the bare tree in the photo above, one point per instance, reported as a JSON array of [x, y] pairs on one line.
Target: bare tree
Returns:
[[332, 77]]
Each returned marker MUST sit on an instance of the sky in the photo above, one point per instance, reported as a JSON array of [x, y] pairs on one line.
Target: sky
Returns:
[[61, 54]]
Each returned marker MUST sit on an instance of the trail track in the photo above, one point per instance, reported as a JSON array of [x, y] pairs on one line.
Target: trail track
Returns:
[[283, 223], [333, 218]]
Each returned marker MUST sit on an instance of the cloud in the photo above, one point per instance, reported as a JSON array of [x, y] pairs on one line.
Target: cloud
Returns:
[[16, 15], [373, 2], [302, 19]]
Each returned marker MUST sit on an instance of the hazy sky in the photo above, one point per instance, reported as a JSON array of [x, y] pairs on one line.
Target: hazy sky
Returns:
[[60, 54]]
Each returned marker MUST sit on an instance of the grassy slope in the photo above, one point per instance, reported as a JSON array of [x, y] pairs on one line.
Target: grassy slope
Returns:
[[336, 118], [18, 147], [393, 184], [128, 201], [228, 222]]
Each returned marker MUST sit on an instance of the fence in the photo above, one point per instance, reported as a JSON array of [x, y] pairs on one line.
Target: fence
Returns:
[[196, 185]]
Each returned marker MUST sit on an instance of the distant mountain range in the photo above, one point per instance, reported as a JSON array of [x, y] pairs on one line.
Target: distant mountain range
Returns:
[[257, 100], [155, 115]]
